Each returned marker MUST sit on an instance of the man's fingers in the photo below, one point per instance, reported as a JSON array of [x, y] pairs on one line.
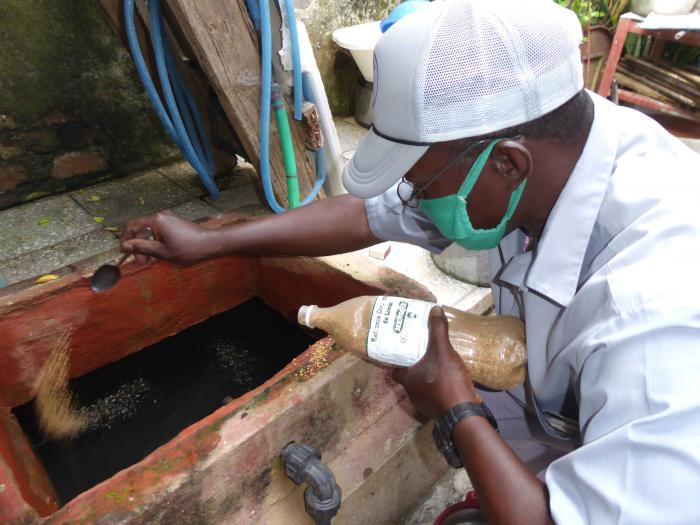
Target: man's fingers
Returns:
[[137, 228], [437, 325], [146, 247]]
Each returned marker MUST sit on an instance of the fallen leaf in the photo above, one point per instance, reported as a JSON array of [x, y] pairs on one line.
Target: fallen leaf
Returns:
[[142, 201], [93, 198], [43, 222], [36, 195], [46, 278], [112, 229], [99, 219]]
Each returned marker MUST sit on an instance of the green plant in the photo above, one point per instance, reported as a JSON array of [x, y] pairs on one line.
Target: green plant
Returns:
[[614, 9], [596, 12], [589, 12]]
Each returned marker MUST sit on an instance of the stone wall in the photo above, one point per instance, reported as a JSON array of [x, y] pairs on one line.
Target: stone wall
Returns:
[[72, 109], [338, 70]]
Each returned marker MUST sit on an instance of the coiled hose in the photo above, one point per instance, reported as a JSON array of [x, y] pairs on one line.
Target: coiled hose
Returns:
[[182, 120]]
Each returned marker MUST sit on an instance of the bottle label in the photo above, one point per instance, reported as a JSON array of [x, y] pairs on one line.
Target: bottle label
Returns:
[[398, 332]]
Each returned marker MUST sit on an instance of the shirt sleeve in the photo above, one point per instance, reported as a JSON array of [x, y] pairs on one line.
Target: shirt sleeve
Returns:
[[640, 422], [390, 220]]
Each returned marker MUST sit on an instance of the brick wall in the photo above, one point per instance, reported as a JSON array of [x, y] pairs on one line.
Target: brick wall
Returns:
[[72, 109]]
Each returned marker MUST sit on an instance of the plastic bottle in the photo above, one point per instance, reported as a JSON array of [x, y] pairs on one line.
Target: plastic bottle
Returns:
[[394, 331]]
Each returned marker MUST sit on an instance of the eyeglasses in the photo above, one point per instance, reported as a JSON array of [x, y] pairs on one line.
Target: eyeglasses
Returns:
[[409, 194]]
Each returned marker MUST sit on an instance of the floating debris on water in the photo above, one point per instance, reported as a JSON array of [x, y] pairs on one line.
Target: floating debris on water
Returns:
[[104, 413]]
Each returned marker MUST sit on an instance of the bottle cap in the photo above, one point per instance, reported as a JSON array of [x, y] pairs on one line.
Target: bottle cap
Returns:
[[304, 315]]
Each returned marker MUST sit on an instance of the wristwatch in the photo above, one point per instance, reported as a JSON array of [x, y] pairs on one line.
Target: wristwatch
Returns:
[[442, 431]]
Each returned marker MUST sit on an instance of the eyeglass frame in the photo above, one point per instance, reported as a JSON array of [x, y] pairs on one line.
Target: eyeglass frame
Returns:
[[412, 201]]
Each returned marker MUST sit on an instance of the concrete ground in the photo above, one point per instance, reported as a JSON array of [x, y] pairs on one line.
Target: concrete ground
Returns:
[[50, 233]]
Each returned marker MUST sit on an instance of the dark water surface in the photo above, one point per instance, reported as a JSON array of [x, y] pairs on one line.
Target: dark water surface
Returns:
[[141, 402]]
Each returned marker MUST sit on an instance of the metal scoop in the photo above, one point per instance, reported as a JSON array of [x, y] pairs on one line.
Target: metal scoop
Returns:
[[107, 275]]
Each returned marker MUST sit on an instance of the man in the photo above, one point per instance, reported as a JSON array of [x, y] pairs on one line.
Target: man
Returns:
[[484, 136]]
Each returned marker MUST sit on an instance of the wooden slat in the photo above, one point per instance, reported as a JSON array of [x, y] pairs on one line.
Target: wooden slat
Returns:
[[658, 85], [648, 102], [624, 79], [685, 72], [665, 76], [225, 45]]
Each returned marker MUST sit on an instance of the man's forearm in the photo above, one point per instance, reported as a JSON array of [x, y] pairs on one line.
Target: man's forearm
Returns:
[[325, 227], [508, 492]]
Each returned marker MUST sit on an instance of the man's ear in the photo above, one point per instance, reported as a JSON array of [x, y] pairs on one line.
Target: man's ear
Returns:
[[513, 162]]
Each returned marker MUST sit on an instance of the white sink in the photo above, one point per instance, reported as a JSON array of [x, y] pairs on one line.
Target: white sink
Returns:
[[360, 41]]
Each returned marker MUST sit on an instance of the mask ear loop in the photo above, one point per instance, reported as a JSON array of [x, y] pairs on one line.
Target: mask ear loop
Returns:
[[476, 169], [473, 175]]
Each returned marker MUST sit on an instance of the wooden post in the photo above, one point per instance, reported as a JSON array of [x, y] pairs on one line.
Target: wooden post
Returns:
[[225, 45]]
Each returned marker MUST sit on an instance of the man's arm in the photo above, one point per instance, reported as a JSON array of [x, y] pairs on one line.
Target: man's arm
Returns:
[[508, 492], [325, 227]]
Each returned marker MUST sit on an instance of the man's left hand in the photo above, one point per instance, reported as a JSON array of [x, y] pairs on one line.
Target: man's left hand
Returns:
[[440, 380]]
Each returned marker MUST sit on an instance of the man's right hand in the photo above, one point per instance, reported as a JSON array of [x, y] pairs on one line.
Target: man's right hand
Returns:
[[325, 227], [173, 239]]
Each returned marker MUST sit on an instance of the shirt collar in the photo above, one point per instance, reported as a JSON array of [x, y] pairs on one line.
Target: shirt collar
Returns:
[[562, 246]]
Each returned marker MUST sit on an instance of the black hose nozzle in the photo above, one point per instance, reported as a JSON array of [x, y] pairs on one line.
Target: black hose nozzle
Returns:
[[322, 496]]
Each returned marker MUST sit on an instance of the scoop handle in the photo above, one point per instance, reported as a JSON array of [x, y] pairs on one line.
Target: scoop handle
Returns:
[[149, 235], [124, 258]]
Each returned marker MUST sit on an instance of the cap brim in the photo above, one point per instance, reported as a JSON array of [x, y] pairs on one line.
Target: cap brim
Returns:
[[378, 164]]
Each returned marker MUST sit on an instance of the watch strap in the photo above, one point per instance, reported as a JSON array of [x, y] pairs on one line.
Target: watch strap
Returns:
[[444, 427]]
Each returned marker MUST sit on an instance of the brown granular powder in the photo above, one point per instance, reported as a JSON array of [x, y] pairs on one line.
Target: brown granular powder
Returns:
[[318, 355]]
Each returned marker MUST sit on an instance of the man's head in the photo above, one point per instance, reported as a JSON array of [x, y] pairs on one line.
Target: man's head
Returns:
[[457, 72], [541, 151]]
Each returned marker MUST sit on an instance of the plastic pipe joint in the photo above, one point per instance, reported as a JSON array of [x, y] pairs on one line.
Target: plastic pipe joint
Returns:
[[302, 464]]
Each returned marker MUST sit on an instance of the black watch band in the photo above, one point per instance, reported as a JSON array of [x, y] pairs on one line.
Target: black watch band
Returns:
[[442, 431]]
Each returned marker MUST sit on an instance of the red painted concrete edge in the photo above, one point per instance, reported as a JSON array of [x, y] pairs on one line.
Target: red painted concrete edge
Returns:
[[136, 485], [28, 474]]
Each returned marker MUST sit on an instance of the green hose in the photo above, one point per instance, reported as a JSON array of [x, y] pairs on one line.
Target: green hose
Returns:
[[290, 165]]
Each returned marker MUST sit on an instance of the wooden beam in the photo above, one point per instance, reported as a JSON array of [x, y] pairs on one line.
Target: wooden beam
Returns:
[[226, 47]]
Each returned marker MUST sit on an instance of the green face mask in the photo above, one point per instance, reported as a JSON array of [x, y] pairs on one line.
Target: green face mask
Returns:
[[450, 215]]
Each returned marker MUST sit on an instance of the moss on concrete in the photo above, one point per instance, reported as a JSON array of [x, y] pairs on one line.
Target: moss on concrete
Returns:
[[63, 55]]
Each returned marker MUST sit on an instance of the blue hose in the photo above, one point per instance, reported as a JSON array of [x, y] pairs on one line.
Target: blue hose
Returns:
[[254, 13], [296, 57], [265, 100], [183, 122], [265, 94]]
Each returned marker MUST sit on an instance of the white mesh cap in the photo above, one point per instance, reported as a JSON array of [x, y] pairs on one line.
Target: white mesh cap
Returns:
[[463, 68]]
